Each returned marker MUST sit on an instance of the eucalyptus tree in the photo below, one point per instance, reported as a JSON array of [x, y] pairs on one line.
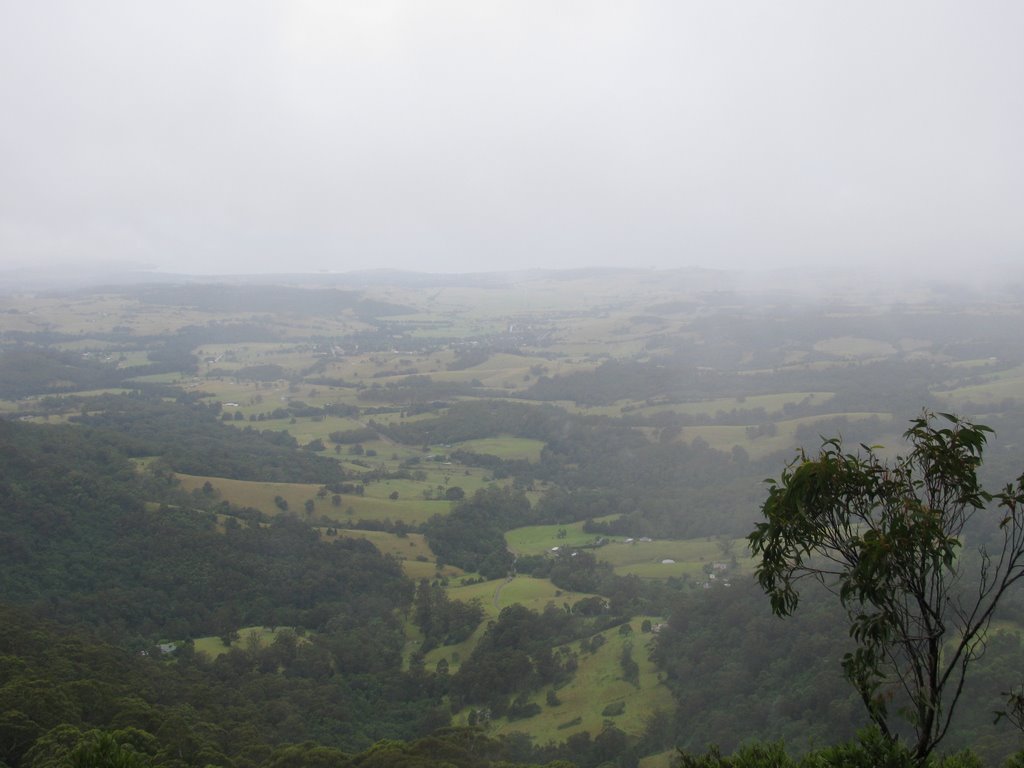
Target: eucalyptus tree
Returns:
[[889, 538]]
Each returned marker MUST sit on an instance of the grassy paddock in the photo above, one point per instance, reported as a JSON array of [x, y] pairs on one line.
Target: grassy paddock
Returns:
[[162, 378], [1004, 385], [538, 539], [597, 683], [493, 596], [535, 594], [642, 558], [506, 447], [854, 346], [261, 495], [97, 392], [725, 438], [213, 646], [772, 404], [702, 550], [665, 759], [406, 549]]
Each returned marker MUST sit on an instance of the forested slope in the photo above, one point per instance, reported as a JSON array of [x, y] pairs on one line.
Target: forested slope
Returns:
[[81, 531]]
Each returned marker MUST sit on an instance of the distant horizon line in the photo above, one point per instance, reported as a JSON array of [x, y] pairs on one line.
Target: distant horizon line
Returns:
[[68, 270]]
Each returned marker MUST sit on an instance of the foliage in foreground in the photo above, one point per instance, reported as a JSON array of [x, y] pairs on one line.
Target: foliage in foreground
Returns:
[[887, 539], [871, 749]]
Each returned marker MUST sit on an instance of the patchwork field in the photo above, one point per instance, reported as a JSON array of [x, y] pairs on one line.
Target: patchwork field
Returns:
[[648, 559], [374, 505], [781, 436]]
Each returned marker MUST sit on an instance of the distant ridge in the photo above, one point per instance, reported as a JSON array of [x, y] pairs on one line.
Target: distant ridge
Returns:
[[855, 280]]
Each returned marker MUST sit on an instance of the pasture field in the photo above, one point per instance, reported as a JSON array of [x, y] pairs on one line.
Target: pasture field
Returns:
[[413, 552], [979, 362], [772, 404], [262, 495], [409, 546], [129, 359], [108, 351], [454, 654], [538, 539], [614, 410], [416, 570], [98, 392], [493, 596], [253, 353], [854, 347], [436, 480], [725, 438], [496, 594], [251, 396], [213, 646], [505, 447], [252, 493], [597, 684], [513, 372], [62, 418], [166, 378], [690, 556], [997, 388], [640, 558], [618, 553], [84, 314], [382, 366], [306, 430], [665, 759]]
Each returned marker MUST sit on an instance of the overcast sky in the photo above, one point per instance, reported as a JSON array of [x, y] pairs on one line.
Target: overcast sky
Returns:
[[245, 136]]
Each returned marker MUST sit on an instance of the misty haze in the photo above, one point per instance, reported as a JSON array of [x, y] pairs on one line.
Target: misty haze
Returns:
[[396, 384]]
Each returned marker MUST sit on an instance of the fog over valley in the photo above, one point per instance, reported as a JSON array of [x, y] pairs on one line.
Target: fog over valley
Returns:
[[511, 385], [459, 137]]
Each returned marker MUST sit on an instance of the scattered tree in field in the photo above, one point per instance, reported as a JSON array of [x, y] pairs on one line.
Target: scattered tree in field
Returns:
[[887, 539]]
